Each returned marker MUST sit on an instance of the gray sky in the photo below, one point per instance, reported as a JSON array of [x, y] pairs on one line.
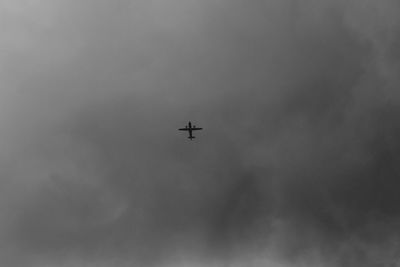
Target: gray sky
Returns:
[[297, 164]]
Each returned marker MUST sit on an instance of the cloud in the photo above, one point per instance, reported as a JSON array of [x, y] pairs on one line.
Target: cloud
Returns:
[[296, 166]]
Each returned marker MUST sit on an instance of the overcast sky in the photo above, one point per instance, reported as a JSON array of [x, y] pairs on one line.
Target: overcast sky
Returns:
[[297, 165]]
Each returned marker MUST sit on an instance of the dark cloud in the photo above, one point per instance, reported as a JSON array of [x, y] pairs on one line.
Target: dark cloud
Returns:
[[296, 166]]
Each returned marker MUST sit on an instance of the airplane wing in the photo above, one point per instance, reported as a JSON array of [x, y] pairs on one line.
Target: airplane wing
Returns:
[[183, 129], [197, 128]]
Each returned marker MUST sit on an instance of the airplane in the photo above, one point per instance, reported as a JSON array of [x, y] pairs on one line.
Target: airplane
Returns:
[[190, 129]]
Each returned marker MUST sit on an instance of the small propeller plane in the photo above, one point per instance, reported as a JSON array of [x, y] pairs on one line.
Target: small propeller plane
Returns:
[[190, 129]]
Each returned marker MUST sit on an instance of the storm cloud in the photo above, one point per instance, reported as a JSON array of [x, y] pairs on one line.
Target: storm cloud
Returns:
[[297, 165]]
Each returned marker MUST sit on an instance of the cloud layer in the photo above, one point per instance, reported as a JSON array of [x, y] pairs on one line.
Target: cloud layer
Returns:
[[297, 164]]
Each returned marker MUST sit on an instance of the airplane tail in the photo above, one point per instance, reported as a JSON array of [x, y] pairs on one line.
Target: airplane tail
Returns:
[[191, 137]]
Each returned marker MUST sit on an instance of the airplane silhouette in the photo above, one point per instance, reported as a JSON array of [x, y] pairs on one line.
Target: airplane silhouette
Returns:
[[190, 129]]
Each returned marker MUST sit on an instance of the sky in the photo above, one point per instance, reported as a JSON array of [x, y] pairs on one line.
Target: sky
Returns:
[[297, 165]]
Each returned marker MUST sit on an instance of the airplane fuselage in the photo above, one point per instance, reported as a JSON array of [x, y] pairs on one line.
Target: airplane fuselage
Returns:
[[190, 131]]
